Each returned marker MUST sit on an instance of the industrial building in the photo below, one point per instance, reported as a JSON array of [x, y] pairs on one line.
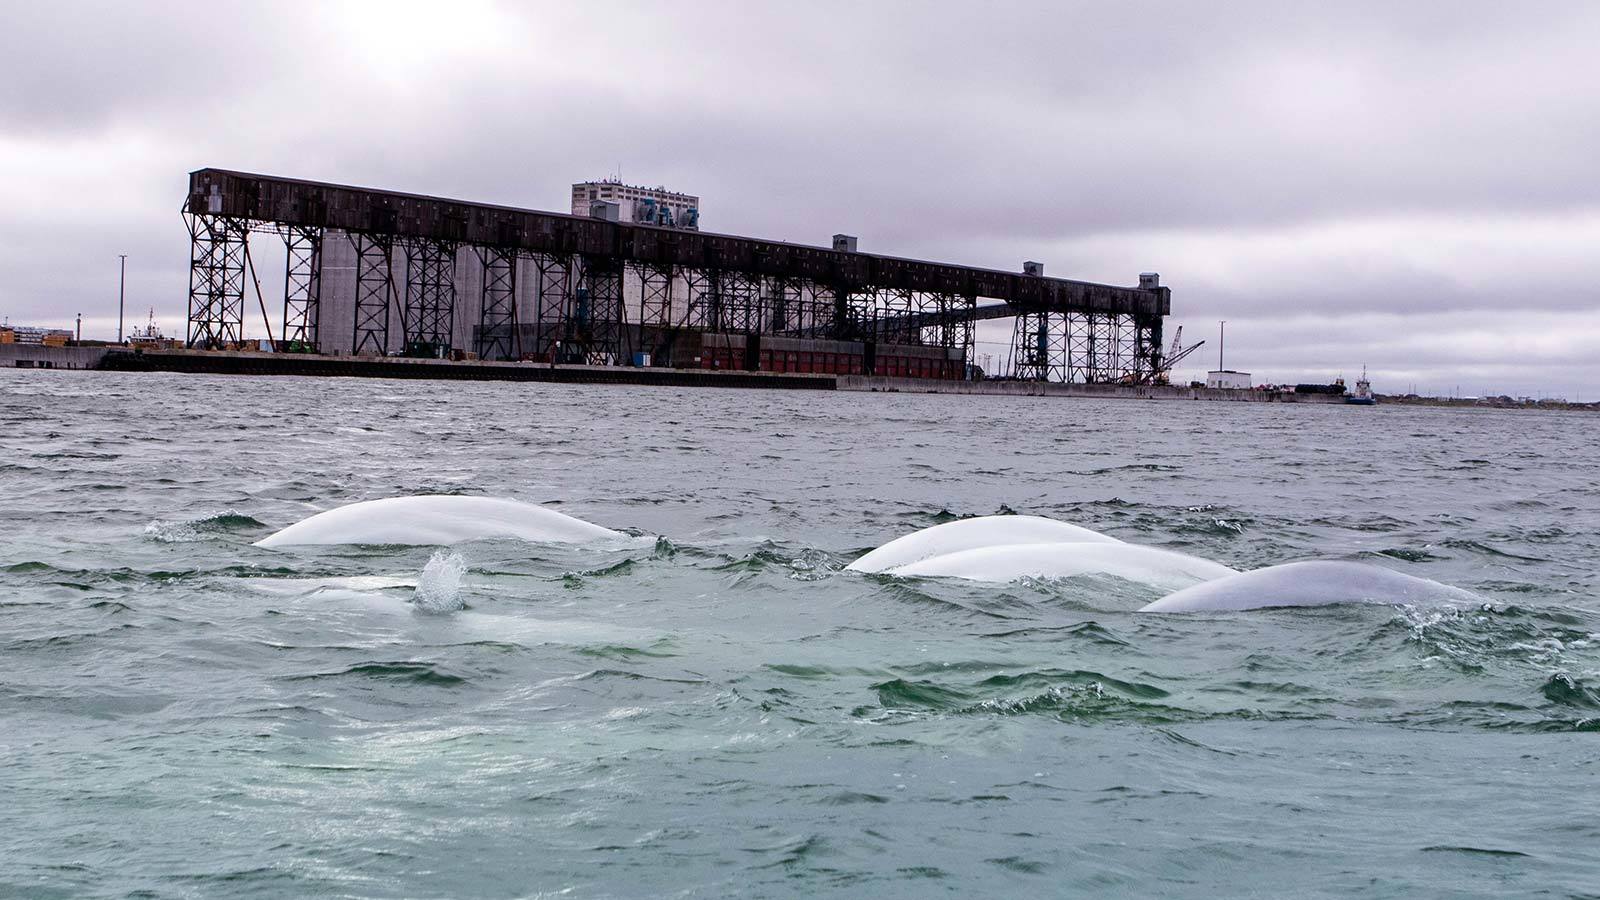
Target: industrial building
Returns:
[[1228, 379], [380, 273], [1221, 376], [29, 334], [636, 205]]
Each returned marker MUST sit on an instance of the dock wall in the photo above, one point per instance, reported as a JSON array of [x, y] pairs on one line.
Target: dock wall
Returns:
[[1098, 391], [249, 363], [38, 356]]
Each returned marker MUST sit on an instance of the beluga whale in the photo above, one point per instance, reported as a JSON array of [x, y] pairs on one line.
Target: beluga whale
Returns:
[[1311, 583], [1132, 562], [436, 520], [971, 534], [1006, 548]]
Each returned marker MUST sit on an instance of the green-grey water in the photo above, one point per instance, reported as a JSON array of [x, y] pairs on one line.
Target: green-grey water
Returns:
[[719, 708]]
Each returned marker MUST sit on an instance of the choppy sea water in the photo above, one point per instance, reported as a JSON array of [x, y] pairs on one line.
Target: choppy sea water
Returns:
[[719, 709]]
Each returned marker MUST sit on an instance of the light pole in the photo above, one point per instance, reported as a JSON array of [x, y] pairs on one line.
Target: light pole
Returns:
[[122, 284]]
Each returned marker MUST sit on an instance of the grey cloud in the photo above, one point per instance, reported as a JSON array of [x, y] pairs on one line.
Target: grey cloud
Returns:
[[80, 68], [1022, 117]]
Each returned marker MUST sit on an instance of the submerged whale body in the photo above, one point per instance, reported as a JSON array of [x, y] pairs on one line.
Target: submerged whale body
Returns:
[[437, 520], [971, 534], [1005, 548], [1132, 562], [1313, 583]]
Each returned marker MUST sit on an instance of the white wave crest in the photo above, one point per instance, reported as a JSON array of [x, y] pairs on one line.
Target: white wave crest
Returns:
[[185, 531], [301, 587], [172, 532]]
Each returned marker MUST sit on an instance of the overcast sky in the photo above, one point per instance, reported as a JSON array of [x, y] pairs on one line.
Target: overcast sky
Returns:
[[1408, 186]]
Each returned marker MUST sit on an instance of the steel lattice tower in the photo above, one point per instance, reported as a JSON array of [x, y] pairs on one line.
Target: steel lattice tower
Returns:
[[497, 321], [430, 297], [216, 281], [374, 292], [302, 288]]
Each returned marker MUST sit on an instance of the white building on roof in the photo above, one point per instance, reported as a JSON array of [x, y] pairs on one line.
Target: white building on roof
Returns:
[[641, 205]]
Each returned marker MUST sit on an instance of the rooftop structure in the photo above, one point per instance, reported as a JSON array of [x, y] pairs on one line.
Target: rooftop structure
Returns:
[[636, 205]]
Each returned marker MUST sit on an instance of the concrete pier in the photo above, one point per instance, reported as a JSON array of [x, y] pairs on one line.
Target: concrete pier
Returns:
[[38, 356], [1052, 389], [121, 359], [248, 363]]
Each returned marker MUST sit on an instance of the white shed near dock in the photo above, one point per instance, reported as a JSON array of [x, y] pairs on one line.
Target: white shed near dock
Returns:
[[1229, 379]]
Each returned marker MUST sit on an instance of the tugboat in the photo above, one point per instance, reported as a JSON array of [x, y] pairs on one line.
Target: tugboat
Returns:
[[1362, 396], [150, 336]]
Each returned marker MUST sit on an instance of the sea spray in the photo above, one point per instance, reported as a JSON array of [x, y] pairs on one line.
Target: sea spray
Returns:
[[439, 585]]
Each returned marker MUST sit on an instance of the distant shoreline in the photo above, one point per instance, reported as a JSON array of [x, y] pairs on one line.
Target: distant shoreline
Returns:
[[313, 365], [1502, 402]]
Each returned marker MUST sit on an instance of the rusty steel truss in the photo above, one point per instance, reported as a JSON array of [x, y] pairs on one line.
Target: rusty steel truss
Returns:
[[430, 296], [599, 291], [1085, 348]]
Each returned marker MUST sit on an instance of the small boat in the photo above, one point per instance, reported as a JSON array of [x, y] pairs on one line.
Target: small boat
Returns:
[[150, 335], [1362, 395]]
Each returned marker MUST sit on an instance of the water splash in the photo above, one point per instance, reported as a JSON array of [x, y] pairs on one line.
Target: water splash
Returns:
[[439, 585]]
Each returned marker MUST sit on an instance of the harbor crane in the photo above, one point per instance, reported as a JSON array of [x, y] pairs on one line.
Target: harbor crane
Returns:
[[1174, 356]]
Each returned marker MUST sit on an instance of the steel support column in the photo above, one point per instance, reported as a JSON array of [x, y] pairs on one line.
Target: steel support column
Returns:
[[555, 303], [893, 310], [778, 296], [216, 281], [954, 328], [599, 321], [816, 309], [1038, 347], [655, 295], [497, 336], [374, 292], [1079, 343], [302, 288], [655, 311], [739, 302], [700, 300], [1147, 350], [846, 323], [430, 298]]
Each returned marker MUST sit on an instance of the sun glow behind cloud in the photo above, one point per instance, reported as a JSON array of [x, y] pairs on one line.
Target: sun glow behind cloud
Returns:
[[411, 41]]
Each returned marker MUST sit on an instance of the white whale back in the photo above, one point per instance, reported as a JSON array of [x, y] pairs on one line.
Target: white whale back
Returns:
[[970, 534], [437, 520], [1311, 583], [1147, 565]]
